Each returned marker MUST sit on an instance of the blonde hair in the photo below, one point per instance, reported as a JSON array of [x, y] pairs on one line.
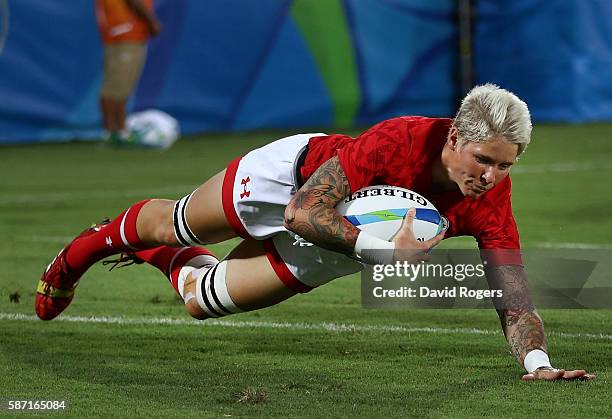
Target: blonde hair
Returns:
[[489, 111]]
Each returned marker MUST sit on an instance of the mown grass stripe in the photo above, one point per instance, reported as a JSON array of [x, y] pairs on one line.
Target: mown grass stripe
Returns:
[[177, 190], [329, 327]]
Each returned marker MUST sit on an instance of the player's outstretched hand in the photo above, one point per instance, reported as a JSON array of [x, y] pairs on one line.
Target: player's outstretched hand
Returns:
[[553, 374], [407, 247]]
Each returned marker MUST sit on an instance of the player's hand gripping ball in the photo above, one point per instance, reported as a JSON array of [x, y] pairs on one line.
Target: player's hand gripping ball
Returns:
[[379, 210]]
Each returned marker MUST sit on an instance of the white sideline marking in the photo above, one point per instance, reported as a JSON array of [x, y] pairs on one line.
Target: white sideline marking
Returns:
[[328, 327]]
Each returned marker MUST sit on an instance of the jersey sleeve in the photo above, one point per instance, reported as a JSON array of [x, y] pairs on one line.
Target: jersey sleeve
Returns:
[[380, 150]]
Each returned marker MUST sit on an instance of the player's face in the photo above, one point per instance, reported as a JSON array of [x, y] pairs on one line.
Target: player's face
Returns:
[[477, 167]]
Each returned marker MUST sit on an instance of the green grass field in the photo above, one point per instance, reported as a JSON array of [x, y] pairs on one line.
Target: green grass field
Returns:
[[126, 347]]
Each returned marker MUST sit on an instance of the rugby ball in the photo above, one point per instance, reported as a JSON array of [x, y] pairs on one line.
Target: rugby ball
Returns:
[[379, 210], [152, 129]]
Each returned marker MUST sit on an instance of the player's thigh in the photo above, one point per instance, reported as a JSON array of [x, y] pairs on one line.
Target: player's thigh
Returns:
[[204, 213]]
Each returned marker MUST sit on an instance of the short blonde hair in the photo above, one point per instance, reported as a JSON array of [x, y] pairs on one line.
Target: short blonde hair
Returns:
[[489, 111]]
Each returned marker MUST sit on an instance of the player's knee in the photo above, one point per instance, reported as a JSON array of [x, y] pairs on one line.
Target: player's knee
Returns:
[[194, 310], [188, 279], [211, 297]]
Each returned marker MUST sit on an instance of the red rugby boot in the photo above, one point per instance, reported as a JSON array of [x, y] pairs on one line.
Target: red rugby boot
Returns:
[[55, 289]]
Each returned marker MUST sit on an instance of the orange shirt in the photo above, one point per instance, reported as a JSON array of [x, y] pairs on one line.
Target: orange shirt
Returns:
[[118, 23]]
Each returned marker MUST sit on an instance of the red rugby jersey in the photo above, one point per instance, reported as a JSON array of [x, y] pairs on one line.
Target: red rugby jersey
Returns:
[[401, 152]]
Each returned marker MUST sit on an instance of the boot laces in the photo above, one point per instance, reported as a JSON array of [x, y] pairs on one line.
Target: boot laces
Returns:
[[124, 259]]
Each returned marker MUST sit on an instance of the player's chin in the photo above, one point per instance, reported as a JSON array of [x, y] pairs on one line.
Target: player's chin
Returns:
[[472, 193]]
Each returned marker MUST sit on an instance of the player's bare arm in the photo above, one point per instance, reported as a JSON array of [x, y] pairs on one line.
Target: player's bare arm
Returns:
[[521, 324], [311, 212]]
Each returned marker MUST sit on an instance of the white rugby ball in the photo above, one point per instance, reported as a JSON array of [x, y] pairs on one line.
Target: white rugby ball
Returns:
[[153, 129], [379, 210]]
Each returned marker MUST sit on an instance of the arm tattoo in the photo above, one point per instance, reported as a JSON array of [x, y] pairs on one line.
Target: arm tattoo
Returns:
[[311, 212], [520, 322]]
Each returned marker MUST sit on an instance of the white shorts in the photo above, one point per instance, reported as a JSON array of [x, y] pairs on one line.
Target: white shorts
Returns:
[[256, 190]]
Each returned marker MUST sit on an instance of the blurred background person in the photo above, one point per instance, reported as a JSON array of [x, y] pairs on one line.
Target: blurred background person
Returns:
[[125, 27]]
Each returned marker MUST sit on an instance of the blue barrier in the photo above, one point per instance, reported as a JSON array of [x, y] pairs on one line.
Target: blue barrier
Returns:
[[232, 65], [556, 55]]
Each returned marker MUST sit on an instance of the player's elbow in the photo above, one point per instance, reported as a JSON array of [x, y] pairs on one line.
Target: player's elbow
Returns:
[[290, 215]]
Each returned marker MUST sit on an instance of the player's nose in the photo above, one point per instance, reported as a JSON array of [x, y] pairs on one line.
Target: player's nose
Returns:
[[488, 176]]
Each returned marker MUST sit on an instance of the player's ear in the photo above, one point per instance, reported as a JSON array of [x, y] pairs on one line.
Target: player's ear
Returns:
[[453, 138]]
